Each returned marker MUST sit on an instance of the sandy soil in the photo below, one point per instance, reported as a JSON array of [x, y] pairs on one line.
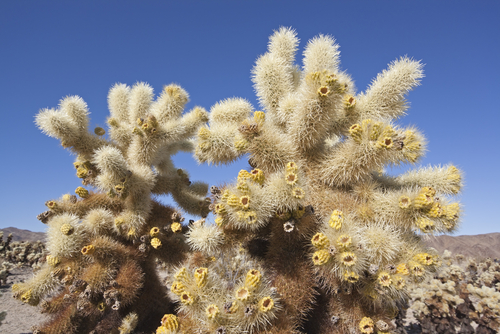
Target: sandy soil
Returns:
[[15, 316]]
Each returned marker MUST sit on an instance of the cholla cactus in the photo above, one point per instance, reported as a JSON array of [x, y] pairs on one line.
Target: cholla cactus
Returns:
[[104, 241], [319, 144]]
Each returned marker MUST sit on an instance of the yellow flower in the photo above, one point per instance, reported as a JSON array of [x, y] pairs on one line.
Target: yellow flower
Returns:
[[349, 101], [298, 193], [324, 91]]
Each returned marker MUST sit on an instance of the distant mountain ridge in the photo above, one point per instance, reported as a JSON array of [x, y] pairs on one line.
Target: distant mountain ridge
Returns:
[[478, 246], [22, 235]]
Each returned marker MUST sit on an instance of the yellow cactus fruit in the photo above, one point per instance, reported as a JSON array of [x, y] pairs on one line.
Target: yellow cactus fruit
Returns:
[[252, 279], [156, 243], [219, 220], [241, 145], [344, 241], [204, 146], [243, 175], [455, 177], [259, 116], [384, 279], [375, 130], [320, 257], [112, 122], [423, 200], [336, 219], [425, 225], [324, 91], [451, 211], [404, 202], [399, 283], [424, 258], [291, 167], [132, 233], [402, 269], [27, 296], [182, 275], [212, 311], [101, 306], [233, 200], [52, 260], [242, 294], [220, 209], [163, 330], [436, 210], [291, 178], [366, 325], [200, 277], [154, 232], [119, 222], [266, 304], [82, 172], [257, 176], [388, 131], [355, 131], [225, 195], [99, 131], [319, 240], [243, 186], [203, 133], [351, 277], [176, 227], [88, 250], [170, 322], [82, 192], [244, 202], [51, 204], [349, 101], [385, 142], [178, 288], [348, 258], [367, 124], [298, 193], [250, 217], [186, 298], [67, 229]]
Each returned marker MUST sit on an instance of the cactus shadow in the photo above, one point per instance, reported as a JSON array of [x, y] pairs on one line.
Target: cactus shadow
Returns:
[[3, 315]]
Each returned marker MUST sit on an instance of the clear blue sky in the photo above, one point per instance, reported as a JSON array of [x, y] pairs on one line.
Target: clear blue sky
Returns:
[[51, 49]]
